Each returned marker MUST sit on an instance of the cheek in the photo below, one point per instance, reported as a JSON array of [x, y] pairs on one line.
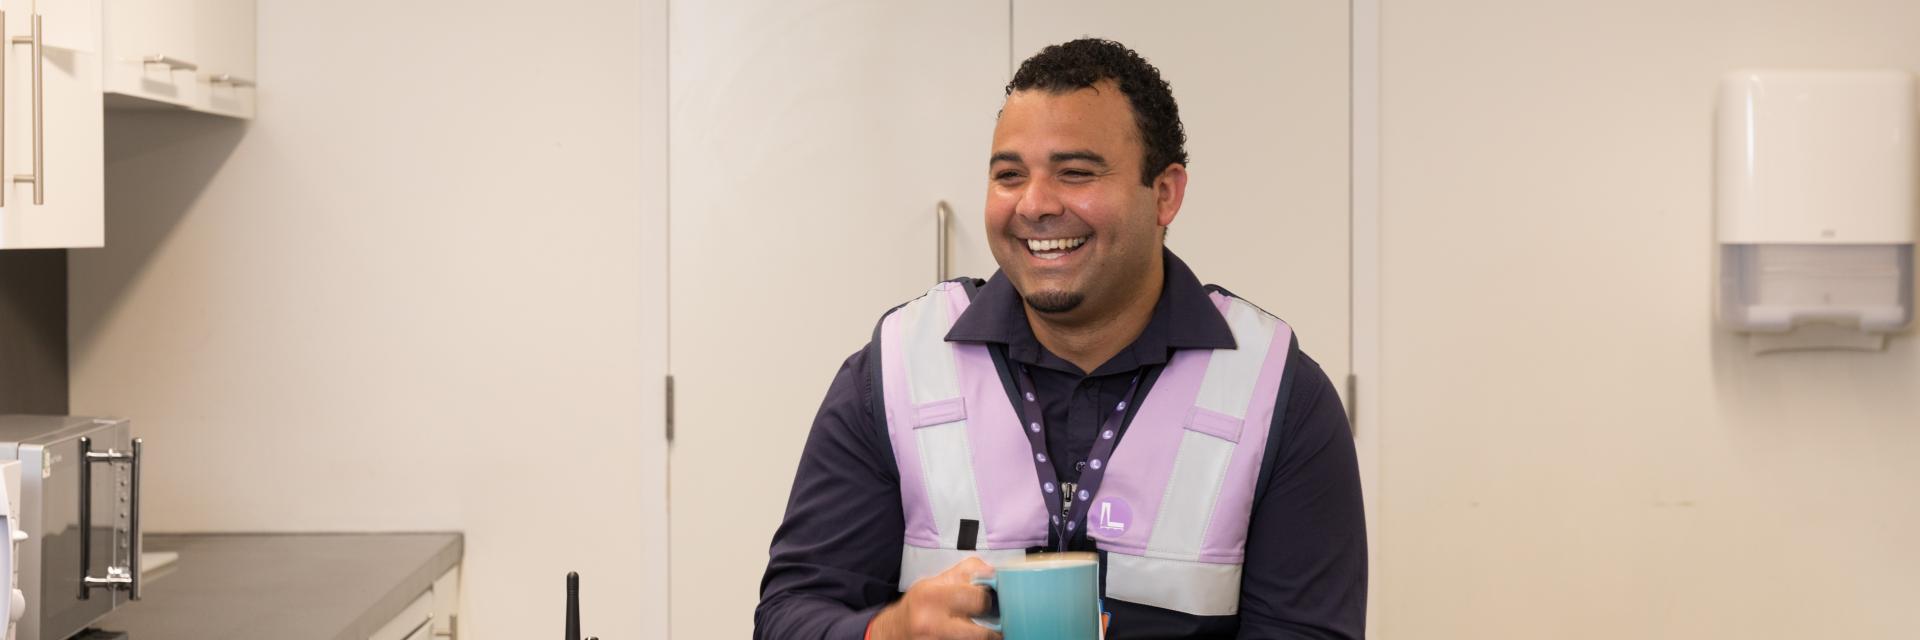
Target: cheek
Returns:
[[1098, 211], [999, 211]]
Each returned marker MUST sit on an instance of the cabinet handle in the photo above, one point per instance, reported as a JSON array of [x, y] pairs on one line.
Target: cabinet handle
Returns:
[[229, 79], [133, 524], [941, 214], [39, 176], [170, 61], [126, 578]]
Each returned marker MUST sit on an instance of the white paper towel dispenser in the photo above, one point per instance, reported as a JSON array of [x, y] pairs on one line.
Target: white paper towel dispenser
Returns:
[[1815, 203]]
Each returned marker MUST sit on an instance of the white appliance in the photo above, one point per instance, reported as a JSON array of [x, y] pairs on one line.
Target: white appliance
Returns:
[[15, 604]]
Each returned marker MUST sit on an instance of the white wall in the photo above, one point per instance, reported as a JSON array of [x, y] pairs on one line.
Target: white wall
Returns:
[[1571, 450], [424, 291]]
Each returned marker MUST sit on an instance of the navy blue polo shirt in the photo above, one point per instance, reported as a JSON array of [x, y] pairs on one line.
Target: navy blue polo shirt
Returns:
[[835, 560]]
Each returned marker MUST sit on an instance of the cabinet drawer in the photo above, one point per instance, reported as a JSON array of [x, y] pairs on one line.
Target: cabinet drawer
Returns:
[[150, 50]]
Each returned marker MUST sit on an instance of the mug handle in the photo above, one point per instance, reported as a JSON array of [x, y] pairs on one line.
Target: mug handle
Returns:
[[992, 583]]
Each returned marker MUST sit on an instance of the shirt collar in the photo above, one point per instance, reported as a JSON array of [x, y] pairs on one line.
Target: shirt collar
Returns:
[[1184, 318]]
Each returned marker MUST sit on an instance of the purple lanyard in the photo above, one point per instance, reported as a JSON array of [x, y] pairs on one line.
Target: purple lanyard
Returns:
[[1076, 496]]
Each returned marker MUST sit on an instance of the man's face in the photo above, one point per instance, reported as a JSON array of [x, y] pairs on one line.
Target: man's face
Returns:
[[1067, 217]]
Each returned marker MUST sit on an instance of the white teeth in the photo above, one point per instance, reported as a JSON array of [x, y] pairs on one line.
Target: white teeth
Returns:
[[1064, 244]]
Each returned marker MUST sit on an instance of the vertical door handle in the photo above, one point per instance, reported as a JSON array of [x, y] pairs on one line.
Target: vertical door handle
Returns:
[[133, 525], [941, 216], [125, 578], [86, 518], [39, 176]]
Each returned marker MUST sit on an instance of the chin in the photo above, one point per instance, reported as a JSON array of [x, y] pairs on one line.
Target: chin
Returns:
[[1054, 300]]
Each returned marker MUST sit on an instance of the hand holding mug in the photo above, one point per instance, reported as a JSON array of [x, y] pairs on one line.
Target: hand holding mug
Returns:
[[1053, 596], [942, 606]]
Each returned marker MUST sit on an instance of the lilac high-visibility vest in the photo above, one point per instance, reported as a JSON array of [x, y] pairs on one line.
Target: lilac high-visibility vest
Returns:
[[1171, 513]]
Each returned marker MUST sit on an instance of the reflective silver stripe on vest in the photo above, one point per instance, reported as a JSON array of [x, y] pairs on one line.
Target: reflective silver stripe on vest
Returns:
[[920, 563], [1196, 588], [1213, 430], [946, 456]]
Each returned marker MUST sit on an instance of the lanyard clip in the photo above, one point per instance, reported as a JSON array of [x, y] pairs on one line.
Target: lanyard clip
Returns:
[[1066, 498]]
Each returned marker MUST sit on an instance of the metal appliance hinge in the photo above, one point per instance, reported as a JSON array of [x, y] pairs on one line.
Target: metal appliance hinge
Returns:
[[669, 409], [1353, 403]]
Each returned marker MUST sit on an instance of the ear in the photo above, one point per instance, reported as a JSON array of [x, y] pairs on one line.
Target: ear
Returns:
[[1169, 189]]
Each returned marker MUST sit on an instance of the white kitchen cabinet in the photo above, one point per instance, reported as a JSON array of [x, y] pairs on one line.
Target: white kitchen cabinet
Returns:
[[51, 186], [414, 622], [150, 50], [430, 615], [193, 54], [68, 24], [446, 604], [224, 42]]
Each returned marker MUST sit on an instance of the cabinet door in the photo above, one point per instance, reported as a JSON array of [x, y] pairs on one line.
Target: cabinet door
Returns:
[[810, 143], [151, 50], [446, 605], [224, 42], [414, 622], [66, 143], [69, 24]]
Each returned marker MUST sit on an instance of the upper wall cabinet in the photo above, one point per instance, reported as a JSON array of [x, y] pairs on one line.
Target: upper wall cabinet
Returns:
[[224, 36], [194, 54], [51, 163], [150, 50]]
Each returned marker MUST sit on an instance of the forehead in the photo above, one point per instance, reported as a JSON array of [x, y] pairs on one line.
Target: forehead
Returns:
[[1096, 118]]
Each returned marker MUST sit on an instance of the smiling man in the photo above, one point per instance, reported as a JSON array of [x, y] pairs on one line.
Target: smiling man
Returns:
[[1091, 396]]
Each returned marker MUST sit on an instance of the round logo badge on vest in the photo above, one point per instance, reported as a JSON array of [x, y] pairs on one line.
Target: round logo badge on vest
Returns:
[[1112, 515]]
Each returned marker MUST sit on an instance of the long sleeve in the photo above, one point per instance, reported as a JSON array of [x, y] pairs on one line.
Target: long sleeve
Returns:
[[1306, 565], [835, 559]]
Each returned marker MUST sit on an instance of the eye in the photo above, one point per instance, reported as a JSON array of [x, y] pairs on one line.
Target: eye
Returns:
[[1076, 175], [1006, 175]]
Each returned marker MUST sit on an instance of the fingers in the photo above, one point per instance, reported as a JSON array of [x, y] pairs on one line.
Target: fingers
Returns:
[[971, 568], [964, 629], [943, 606], [965, 599]]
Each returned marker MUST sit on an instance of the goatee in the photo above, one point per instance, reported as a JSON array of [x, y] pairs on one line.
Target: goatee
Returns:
[[1054, 301]]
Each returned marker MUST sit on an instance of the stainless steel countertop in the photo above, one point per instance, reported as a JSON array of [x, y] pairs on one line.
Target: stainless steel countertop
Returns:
[[284, 586]]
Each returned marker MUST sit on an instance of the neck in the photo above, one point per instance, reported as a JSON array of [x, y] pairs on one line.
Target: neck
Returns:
[[1090, 338]]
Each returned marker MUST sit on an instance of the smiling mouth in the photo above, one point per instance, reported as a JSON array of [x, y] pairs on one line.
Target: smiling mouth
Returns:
[[1056, 248]]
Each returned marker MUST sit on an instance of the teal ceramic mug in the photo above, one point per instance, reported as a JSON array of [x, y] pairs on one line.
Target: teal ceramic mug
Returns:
[[1047, 597]]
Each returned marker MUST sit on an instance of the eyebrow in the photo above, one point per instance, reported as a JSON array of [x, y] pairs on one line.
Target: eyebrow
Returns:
[[1056, 157], [1069, 156]]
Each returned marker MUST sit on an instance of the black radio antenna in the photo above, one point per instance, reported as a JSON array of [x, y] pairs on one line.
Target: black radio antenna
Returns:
[[573, 605]]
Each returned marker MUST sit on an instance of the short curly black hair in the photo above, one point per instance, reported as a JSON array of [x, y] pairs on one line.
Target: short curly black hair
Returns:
[[1079, 64]]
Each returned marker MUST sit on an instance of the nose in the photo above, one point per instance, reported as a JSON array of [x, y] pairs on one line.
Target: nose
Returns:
[[1037, 201]]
